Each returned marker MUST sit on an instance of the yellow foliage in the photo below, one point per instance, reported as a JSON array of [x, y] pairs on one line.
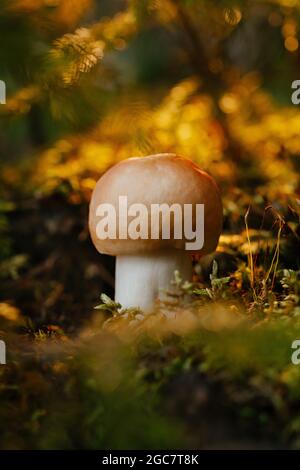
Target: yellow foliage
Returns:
[[64, 12], [184, 121], [9, 312]]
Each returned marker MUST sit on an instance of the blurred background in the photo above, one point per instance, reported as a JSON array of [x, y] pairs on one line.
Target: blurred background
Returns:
[[90, 83]]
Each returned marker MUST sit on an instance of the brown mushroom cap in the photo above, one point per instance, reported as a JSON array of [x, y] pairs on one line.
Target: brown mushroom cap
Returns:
[[157, 179]]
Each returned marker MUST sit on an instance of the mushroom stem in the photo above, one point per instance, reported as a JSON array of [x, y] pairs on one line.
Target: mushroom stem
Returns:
[[142, 278]]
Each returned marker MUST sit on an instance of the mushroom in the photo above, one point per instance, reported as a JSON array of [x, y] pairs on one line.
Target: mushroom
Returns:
[[147, 254]]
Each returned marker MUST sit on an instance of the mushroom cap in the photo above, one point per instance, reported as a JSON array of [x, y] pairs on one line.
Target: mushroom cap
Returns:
[[157, 179]]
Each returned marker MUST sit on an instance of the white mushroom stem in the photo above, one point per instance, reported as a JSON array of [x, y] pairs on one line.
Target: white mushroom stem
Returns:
[[143, 278]]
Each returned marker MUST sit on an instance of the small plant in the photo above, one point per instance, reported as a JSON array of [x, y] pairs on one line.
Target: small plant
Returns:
[[290, 303], [183, 287], [218, 285], [131, 315], [108, 305], [290, 281]]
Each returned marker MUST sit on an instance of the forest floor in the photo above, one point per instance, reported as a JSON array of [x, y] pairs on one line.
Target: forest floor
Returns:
[[210, 369]]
